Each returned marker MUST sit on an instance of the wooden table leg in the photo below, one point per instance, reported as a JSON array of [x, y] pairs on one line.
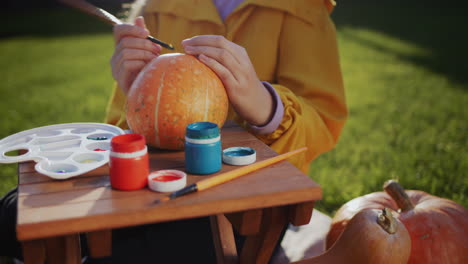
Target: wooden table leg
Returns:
[[34, 252], [259, 248], [223, 238], [247, 222], [300, 214], [100, 243], [63, 250]]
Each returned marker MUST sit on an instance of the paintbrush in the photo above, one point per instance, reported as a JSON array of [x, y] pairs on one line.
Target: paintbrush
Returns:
[[106, 17], [227, 176]]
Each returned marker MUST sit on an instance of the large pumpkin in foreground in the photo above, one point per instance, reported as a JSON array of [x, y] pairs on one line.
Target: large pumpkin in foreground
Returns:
[[438, 227], [171, 92], [370, 237]]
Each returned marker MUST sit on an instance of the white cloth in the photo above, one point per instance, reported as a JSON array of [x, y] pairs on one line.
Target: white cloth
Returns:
[[303, 242]]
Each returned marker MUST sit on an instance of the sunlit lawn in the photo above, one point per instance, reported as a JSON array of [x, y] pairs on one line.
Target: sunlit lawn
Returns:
[[408, 114], [54, 68], [406, 76]]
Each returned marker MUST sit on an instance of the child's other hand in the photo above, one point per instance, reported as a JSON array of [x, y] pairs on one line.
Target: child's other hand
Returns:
[[132, 52], [232, 64]]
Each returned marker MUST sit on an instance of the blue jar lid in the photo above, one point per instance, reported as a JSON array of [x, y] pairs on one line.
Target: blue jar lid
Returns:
[[202, 130]]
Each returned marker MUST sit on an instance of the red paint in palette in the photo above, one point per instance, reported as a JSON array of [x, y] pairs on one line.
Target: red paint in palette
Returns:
[[99, 149]]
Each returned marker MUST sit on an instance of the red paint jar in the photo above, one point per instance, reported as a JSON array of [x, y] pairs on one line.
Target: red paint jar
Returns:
[[128, 162]]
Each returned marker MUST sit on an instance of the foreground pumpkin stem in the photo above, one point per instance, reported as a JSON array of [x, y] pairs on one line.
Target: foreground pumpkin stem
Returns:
[[386, 220], [396, 191]]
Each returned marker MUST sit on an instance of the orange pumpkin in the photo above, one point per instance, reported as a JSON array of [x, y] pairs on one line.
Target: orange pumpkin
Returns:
[[371, 236], [438, 227], [172, 91]]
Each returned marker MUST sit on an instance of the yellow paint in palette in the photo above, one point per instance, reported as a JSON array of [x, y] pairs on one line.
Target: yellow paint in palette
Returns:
[[88, 161]]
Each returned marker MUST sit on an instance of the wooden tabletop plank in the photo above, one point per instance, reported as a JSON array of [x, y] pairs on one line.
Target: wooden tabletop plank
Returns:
[[77, 183], [136, 210], [126, 216], [238, 188]]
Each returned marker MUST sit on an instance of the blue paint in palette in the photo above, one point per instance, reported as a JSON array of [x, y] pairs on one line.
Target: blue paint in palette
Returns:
[[97, 138]]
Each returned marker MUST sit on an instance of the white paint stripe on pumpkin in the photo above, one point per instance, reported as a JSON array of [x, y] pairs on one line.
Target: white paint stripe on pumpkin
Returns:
[[156, 109]]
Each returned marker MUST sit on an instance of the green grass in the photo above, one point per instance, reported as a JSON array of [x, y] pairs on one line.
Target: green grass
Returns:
[[406, 84], [405, 76], [54, 69]]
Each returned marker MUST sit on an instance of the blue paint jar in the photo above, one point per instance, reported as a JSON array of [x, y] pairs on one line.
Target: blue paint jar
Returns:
[[203, 153]]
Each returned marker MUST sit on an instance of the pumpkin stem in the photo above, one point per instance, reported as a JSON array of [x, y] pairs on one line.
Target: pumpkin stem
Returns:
[[386, 220], [398, 194]]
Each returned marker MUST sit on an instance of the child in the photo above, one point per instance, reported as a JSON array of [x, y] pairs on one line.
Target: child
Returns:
[[278, 61]]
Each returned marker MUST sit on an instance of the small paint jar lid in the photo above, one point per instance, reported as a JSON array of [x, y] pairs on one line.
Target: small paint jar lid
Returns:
[[167, 180], [202, 130], [128, 143], [239, 155]]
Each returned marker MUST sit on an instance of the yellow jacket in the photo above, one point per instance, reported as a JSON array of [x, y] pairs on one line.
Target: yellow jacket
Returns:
[[292, 45]]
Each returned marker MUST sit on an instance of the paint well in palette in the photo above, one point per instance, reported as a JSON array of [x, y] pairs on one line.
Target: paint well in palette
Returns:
[[89, 161]]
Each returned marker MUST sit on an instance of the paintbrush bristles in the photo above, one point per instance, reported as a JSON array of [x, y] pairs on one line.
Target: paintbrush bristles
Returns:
[[92, 10]]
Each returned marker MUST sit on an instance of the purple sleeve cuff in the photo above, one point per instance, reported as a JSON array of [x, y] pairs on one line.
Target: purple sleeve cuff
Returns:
[[275, 121]]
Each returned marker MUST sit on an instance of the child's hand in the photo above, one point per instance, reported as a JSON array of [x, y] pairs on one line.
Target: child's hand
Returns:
[[132, 52], [232, 64]]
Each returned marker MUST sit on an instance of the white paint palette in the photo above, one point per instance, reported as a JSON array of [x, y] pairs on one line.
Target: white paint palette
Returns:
[[63, 150]]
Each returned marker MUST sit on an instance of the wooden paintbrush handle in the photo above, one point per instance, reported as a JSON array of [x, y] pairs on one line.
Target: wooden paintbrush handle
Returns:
[[227, 176], [92, 10]]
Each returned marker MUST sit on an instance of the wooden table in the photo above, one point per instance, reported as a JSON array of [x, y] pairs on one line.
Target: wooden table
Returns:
[[52, 214]]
